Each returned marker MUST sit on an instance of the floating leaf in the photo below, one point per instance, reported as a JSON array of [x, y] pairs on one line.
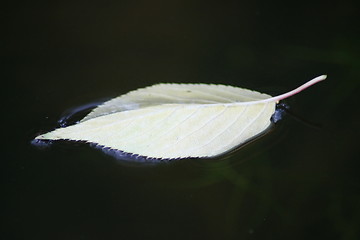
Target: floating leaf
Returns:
[[167, 121]]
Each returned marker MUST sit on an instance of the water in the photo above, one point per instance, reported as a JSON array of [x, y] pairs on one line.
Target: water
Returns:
[[296, 182]]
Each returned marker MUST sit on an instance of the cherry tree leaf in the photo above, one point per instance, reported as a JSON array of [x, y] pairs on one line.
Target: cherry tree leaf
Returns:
[[168, 121]]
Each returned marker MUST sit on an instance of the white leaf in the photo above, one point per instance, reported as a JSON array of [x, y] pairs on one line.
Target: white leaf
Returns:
[[169, 121]]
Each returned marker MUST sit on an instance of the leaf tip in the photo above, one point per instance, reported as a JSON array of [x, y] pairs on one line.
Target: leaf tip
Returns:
[[40, 137], [45, 136]]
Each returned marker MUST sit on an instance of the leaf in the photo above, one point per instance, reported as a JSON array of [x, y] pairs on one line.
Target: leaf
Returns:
[[168, 121]]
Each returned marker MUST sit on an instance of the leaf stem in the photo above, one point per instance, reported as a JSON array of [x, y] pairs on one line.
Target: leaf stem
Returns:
[[299, 89], [285, 95]]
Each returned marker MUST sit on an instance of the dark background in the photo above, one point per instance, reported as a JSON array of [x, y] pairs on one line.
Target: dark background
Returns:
[[297, 182]]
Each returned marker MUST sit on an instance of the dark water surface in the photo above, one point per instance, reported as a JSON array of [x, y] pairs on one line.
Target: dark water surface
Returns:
[[297, 182]]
